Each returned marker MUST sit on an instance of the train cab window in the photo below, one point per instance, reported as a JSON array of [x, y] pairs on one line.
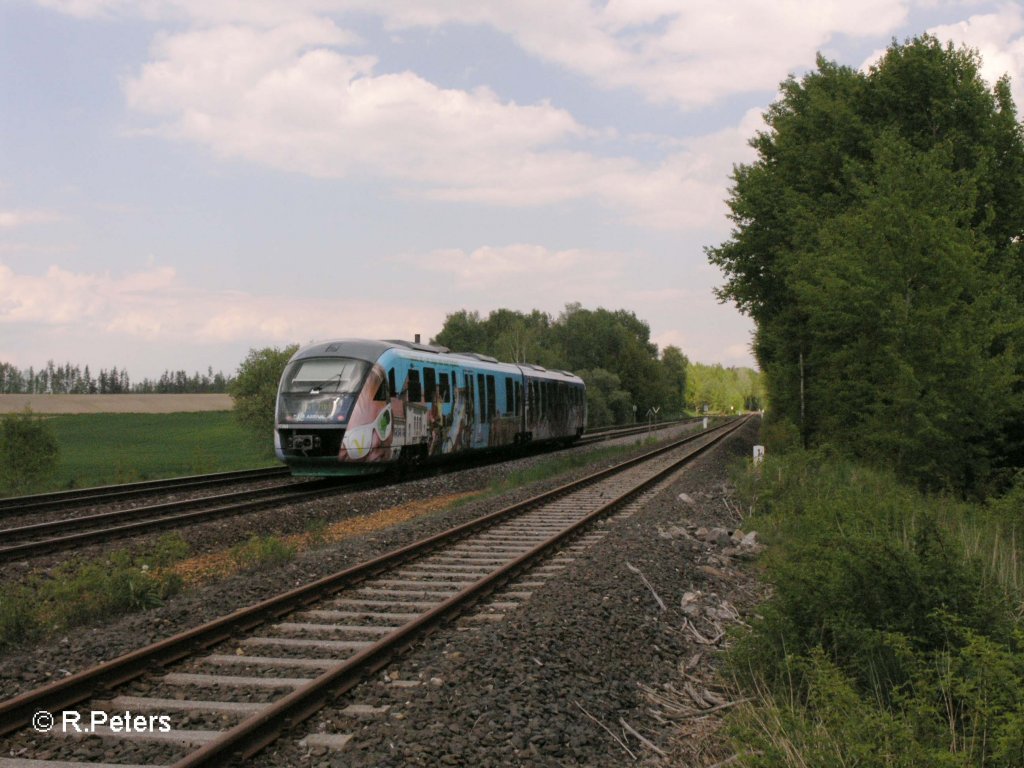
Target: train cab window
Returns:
[[492, 398], [415, 388], [443, 388], [429, 384], [391, 380], [510, 400], [316, 375]]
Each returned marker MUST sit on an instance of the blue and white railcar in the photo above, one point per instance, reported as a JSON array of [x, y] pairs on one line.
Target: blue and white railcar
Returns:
[[355, 405]]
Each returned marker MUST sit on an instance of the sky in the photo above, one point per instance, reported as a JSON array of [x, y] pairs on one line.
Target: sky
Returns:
[[184, 180]]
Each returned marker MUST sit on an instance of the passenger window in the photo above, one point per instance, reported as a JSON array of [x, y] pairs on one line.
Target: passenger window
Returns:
[[382, 392], [492, 398], [510, 401], [429, 384], [446, 393], [391, 380], [415, 389], [482, 389]]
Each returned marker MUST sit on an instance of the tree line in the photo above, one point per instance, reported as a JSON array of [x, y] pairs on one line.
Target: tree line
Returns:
[[877, 245], [627, 377], [75, 380]]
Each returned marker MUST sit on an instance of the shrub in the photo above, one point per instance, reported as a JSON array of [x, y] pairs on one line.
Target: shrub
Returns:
[[79, 593], [887, 635], [254, 390], [28, 449], [262, 550]]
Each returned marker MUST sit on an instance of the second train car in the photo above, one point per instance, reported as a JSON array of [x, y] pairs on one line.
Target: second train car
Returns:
[[354, 405]]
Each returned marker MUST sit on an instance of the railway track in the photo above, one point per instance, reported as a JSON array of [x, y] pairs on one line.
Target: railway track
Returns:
[[306, 646], [30, 540], [107, 494], [66, 533]]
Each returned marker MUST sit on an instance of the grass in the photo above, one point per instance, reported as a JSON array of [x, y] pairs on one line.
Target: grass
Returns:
[[559, 465], [263, 551], [78, 593], [105, 449]]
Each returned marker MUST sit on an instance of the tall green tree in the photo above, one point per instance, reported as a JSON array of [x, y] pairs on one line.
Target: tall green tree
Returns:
[[254, 389], [463, 331], [675, 365], [876, 246], [607, 402], [610, 349]]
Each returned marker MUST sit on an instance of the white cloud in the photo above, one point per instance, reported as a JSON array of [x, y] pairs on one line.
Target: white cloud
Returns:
[[155, 305], [679, 53], [522, 270], [999, 38], [287, 98], [11, 219]]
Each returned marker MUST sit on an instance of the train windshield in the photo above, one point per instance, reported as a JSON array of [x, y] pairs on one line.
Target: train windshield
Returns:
[[324, 375]]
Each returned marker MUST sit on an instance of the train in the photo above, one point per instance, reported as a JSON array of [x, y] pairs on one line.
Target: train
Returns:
[[356, 406]]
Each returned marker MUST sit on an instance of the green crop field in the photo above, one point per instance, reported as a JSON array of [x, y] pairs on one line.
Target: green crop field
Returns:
[[107, 448]]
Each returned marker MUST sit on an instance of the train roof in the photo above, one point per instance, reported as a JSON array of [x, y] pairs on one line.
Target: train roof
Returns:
[[371, 350], [360, 349]]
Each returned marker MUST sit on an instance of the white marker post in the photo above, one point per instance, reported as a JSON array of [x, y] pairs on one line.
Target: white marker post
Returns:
[[758, 454]]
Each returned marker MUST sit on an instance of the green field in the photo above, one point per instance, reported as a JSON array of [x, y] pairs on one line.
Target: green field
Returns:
[[108, 448]]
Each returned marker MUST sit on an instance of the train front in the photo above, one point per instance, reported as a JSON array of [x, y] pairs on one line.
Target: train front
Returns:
[[322, 403]]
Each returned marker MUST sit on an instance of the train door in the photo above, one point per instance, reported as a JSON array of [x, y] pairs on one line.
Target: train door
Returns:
[[482, 428], [449, 408], [520, 409], [471, 420]]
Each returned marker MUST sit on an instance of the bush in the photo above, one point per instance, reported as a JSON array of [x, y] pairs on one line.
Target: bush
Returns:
[[265, 550], [79, 593], [888, 635], [780, 435], [254, 389], [28, 449]]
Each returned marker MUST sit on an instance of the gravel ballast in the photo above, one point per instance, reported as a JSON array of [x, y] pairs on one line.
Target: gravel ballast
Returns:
[[536, 688], [68, 652]]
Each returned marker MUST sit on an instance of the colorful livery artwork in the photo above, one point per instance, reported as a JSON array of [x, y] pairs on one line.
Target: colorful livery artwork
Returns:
[[352, 406]]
